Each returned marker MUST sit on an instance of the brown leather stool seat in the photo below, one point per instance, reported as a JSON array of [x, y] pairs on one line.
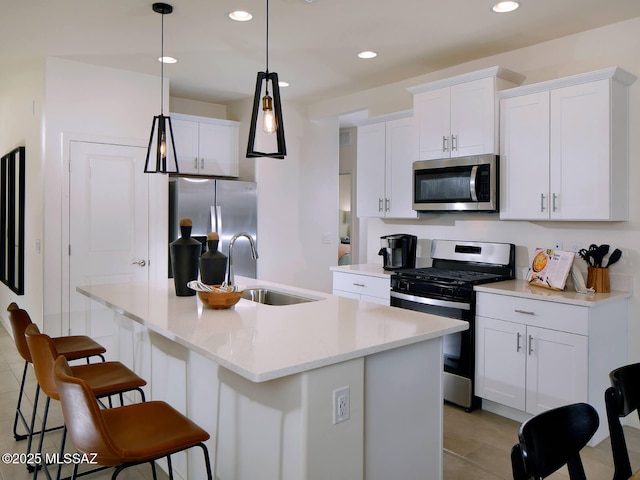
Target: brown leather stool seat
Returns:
[[104, 379], [72, 347], [124, 436]]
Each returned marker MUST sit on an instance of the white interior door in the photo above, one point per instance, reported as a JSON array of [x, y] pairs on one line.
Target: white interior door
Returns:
[[108, 227]]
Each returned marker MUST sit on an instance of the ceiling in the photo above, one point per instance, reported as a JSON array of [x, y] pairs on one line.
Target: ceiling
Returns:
[[313, 43]]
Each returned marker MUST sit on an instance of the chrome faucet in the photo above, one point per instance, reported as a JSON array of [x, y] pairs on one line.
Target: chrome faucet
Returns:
[[254, 254]]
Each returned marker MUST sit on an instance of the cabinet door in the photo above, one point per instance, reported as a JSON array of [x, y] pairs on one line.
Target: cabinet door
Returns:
[[218, 152], [185, 137], [400, 155], [524, 157], [432, 111], [557, 367], [473, 118], [580, 152], [500, 362], [370, 173]]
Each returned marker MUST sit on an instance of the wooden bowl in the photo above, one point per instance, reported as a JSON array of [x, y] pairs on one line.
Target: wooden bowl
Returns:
[[219, 300]]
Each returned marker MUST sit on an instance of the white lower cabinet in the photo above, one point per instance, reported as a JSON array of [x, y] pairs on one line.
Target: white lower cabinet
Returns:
[[529, 368], [369, 288], [533, 355]]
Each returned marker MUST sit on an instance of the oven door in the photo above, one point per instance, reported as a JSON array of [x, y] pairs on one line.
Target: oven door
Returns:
[[458, 348]]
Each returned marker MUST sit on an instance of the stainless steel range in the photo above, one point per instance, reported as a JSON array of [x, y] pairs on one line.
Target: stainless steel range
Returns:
[[446, 289]]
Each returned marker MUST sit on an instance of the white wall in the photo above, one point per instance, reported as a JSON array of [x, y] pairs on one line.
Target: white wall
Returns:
[[194, 107], [98, 103], [614, 45], [21, 97], [297, 199]]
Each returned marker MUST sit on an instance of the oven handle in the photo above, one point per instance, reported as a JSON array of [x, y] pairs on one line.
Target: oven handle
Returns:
[[431, 301]]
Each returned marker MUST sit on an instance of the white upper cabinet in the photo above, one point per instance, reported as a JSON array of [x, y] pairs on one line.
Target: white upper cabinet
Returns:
[[524, 156], [457, 117], [564, 148], [206, 146], [385, 156]]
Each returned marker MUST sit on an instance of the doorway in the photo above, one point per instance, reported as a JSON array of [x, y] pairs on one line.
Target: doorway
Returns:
[[108, 228], [344, 218]]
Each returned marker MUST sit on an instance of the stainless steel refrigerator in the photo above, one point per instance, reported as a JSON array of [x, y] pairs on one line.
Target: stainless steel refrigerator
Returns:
[[223, 206]]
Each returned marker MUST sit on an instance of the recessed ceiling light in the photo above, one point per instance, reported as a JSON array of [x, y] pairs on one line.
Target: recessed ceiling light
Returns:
[[283, 84], [167, 59], [367, 54], [505, 7], [240, 16]]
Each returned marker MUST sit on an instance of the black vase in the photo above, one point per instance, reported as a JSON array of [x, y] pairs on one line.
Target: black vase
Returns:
[[213, 264], [185, 253]]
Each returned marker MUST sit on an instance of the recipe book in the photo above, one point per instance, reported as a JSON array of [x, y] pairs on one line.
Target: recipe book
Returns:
[[550, 268]]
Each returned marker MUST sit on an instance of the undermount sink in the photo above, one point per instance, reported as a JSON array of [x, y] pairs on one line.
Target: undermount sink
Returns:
[[268, 296]]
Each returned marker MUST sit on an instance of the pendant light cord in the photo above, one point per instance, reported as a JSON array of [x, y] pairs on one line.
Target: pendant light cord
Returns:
[[162, 68], [267, 37]]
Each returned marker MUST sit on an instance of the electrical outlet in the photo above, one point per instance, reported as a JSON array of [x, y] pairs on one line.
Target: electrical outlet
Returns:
[[341, 402]]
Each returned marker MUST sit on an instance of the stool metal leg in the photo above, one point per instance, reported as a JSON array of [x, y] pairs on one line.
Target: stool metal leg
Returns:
[[19, 414]]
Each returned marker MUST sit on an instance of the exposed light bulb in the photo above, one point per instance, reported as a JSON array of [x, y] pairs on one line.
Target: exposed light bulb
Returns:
[[163, 145], [269, 124]]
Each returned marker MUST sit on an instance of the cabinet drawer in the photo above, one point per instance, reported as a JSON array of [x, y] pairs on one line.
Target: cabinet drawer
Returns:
[[362, 284], [539, 313]]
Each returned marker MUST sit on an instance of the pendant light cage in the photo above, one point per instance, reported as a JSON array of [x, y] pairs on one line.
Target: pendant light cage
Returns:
[[267, 82], [161, 143]]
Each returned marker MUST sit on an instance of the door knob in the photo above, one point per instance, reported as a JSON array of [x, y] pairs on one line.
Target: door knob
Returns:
[[140, 263]]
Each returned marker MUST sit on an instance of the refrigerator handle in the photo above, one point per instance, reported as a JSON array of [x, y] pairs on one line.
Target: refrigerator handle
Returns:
[[216, 218]]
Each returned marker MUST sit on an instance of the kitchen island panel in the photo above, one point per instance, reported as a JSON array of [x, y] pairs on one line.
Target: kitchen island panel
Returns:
[[261, 380]]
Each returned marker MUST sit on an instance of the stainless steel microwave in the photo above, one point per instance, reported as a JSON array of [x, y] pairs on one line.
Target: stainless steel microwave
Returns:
[[456, 184]]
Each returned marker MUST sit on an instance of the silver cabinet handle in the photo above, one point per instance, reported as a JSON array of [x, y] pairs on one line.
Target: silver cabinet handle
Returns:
[[380, 204], [526, 312], [445, 143], [555, 207], [202, 163], [454, 143], [530, 345], [518, 346], [358, 284], [140, 263], [387, 204], [542, 197], [195, 163]]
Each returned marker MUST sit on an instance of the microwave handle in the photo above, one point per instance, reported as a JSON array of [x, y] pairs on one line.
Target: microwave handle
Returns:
[[472, 183]]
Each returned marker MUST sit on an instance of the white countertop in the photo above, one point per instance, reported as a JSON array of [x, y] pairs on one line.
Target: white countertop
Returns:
[[368, 269], [264, 342], [521, 288]]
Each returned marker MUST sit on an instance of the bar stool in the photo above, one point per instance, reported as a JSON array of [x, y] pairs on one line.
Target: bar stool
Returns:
[[124, 436], [72, 347], [104, 379], [622, 398], [552, 439]]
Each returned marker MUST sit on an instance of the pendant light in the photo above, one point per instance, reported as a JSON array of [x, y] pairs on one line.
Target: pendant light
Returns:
[[268, 108], [160, 134]]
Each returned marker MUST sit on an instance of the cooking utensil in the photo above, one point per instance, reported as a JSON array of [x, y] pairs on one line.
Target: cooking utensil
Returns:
[[586, 256], [614, 257], [601, 251]]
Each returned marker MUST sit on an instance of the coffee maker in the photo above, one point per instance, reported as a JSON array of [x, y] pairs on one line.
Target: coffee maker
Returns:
[[398, 251]]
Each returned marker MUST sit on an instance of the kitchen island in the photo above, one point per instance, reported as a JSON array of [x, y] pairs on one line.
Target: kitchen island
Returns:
[[265, 380]]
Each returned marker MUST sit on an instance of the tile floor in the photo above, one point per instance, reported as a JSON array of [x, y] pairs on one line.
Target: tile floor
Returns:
[[477, 444]]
